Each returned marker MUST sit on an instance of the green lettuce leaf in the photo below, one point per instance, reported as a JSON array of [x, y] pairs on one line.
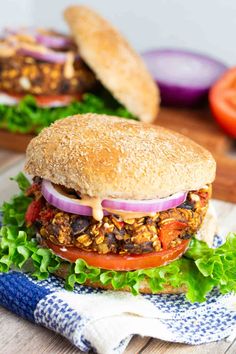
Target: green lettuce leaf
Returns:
[[22, 181], [27, 117], [200, 269], [14, 210]]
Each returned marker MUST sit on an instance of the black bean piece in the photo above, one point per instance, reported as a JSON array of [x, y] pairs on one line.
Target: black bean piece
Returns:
[[111, 242], [80, 224], [132, 248], [110, 238], [119, 234], [147, 247], [38, 224], [186, 236], [129, 246], [37, 81], [150, 221], [53, 229], [64, 87], [186, 205]]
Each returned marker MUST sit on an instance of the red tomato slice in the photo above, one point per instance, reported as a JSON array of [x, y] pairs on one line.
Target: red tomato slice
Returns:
[[120, 262], [222, 98], [45, 101], [170, 231], [52, 100]]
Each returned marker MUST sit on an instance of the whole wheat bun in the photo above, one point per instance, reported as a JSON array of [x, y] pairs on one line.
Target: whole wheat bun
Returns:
[[206, 234], [103, 156], [115, 63]]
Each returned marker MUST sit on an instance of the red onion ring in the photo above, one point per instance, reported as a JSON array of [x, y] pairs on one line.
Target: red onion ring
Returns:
[[49, 55], [48, 40], [62, 202], [73, 206], [150, 206], [56, 42]]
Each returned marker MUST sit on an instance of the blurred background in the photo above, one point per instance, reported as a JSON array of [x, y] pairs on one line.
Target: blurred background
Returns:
[[147, 24]]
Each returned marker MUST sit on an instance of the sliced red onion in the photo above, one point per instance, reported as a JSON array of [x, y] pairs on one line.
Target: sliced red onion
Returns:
[[73, 206], [183, 77], [50, 41], [62, 202], [22, 30], [149, 206], [48, 55]]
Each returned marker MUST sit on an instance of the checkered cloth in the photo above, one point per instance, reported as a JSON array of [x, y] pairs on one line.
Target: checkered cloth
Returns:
[[106, 320]]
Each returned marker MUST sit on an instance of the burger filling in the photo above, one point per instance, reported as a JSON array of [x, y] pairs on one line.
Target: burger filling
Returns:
[[26, 75], [29, 67], [60, 250], [114, 234]]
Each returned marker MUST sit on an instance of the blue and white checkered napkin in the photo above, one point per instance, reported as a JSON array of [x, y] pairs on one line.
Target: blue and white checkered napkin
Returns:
[[107, 320]]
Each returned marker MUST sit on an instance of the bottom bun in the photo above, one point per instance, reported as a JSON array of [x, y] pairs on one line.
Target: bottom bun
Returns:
[[144, 287], [206, 233]]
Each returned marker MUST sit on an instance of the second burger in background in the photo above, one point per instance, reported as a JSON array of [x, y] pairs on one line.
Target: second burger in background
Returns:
[[45, 75]]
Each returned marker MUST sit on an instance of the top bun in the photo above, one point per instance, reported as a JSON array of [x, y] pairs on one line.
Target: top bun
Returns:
[[120, 69], [104, 156]]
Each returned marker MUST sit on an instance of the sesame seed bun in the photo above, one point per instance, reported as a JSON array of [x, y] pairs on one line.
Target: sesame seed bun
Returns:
[[104, 156], [144, 287], [115, 63]]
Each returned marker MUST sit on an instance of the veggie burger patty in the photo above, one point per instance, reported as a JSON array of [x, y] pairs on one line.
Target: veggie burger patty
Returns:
[[24, 74]]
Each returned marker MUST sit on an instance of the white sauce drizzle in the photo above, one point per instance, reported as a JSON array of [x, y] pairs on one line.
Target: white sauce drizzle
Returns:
[[69, 66], [125, 215], [95, 204]]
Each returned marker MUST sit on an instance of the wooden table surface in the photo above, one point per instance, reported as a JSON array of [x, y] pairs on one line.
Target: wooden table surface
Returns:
[[19, 336]]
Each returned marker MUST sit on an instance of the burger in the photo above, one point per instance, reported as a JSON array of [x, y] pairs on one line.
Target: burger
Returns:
[[46, 75], [117, 204]]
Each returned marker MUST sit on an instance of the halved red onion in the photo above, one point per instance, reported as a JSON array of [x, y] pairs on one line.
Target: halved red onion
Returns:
[[50, 41], [184, 77], [47, 55], [73, 206]]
